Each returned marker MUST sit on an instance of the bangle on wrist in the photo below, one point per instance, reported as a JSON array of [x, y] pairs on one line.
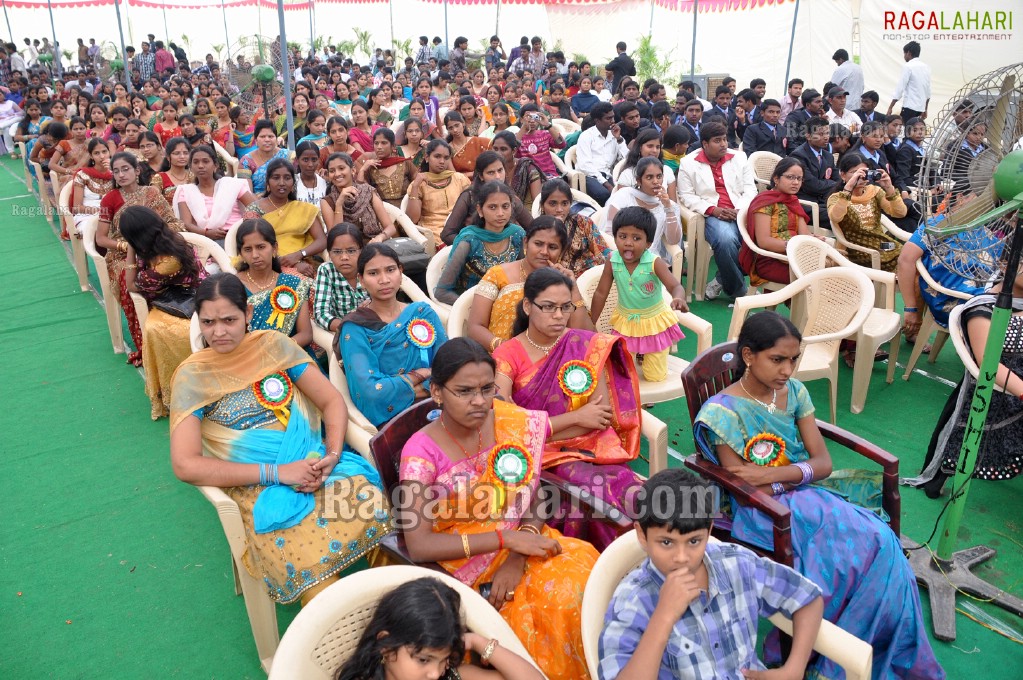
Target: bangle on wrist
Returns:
[[777, 488], [500, 540], [529, 528], [914, 310], [465, 546], [488, 651]]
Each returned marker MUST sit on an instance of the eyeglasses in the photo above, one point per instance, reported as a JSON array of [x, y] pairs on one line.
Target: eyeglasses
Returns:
[[550, 307], [350, 252], [467, 393], [793, 178]]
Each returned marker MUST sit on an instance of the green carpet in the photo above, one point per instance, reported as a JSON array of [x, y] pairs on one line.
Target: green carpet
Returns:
[[113, 568]]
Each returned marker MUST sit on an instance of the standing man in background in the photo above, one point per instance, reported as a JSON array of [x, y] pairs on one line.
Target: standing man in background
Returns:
[[620, 66], [848, 75], [914, 87]]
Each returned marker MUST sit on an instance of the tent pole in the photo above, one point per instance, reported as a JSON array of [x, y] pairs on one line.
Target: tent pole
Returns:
[[56, 45], [390, 15], [692, 59], [652, 5], [446, 41], [497, 20], [8, 20], [126, 73], [792, 40], [163, 8], [290, 116], [312, 46], [227, 36]]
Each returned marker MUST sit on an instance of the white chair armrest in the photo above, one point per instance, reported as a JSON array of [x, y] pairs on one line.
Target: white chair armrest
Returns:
[[926, 276], [894, 230], [677, 259], [842, 647], [229, 160], [230, 517], [703, 329], [743, 306], [813, 210], [558, 163], [655, 431]]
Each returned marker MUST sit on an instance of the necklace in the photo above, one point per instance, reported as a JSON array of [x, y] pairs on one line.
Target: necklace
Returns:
[[545, 349], [771, 408], [479, 433], [274, 203], [179, 180], [259, 286]]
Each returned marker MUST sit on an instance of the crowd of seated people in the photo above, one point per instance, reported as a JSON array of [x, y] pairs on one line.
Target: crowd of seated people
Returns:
[[322, 242]]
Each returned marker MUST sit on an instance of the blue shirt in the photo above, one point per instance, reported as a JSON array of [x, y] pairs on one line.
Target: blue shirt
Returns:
[[717, 636]]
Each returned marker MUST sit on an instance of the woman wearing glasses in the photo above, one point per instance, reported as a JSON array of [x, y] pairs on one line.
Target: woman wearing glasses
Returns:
[[531, 574], [586, 382], [386, 347], [774, 217]]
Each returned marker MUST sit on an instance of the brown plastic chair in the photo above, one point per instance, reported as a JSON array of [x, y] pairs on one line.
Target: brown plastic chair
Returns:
[[716, 369]]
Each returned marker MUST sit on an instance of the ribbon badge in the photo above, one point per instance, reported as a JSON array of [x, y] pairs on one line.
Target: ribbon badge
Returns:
[[508, 466], [422, 334], [283, 301], [766, 449], [578, 380], [276, 392]]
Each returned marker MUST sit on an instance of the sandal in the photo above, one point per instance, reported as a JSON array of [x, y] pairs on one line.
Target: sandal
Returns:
[[849, 356]]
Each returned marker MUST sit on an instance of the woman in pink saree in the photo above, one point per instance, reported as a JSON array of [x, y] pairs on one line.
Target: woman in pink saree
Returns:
[[587, 384]]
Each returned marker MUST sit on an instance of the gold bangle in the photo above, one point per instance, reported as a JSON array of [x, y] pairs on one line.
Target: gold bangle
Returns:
[[488, 651], [494, 343], [529, 528], [465, 546]]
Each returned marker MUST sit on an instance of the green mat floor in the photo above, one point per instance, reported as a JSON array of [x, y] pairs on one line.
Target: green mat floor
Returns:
[[111, 568]]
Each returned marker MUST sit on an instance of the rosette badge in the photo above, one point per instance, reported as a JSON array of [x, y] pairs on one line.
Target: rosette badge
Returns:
[[766, 449], [283, 301], [578, 380], [422, 334], [276, 392], [508, 467]]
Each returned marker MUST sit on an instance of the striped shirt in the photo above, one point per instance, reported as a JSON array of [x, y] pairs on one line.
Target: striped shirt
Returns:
[[717, 636]]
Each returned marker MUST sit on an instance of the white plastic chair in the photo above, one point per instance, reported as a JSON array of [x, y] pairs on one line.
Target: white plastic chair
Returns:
[[625, 554], [230, 161], [230, 242], [617, 170], [326, 632], [838, 301], [875, 256], [408, 228], [427, 233], [566, 126], [928, 325], [434, 269], [577, 197], [649, 392], [575, 178], [23, 152], [111, 305], [78, 256], [360, 430], [763, 163], [45, 192], [457, 324], [882, 324], [959, 340], [699, 253]]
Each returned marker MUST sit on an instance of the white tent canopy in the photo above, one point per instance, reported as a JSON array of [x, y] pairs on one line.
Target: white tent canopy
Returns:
[[744, 38]]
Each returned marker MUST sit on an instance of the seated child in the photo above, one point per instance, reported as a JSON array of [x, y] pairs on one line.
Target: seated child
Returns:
[[691, 609], [648, 325]]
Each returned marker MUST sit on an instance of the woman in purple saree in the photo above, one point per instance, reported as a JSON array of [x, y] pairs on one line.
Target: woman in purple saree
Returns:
[[587, 384]]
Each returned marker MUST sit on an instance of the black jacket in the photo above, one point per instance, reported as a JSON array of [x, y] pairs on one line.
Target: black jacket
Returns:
[[759, 137], [818, 180], [877, 115], [907, 166], [795, 129], [621, 66]]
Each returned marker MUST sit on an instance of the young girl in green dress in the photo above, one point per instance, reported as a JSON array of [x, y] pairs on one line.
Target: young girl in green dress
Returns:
[[641, 317]]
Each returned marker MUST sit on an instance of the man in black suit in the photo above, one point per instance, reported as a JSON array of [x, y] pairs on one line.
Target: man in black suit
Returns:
[[765, 134], [693, 117], [820, 175], [868, 104], [620, 66], [795, 122], [745, 113]]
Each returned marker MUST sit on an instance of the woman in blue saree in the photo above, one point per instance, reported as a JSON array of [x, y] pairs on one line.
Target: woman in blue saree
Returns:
[[386, 347], [762, 428], [245, 416]]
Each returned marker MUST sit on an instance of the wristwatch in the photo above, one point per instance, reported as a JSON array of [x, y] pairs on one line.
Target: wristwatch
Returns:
[[304, 254]]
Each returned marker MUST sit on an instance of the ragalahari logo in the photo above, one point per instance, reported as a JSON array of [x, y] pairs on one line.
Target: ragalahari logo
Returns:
[[948, 25]]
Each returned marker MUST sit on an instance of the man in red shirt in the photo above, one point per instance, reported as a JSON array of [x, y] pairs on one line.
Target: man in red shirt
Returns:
[[164, 60]]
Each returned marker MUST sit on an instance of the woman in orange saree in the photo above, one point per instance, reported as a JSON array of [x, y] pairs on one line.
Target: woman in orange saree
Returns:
[[471, 477]]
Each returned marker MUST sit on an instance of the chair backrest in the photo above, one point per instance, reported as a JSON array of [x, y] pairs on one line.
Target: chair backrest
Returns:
[[763, 163], [587, 283], [206, 248], [433, 271], [408, 228], [326, 632], [616, 171], [230, 241], [809, 254], [709, 373], [748, 238], [195, 334], [958, 336], [387, 443], [230, 161], [340, 382], [570, 157], [458, 319], [625, 554], [64, 206], [566, 125], [87, 229]]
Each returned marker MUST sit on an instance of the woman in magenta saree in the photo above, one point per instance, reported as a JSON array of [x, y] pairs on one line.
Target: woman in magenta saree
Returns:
[[587, 384]]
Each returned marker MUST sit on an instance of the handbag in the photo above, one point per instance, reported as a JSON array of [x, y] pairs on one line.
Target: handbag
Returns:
[[412, 255], [176, 301]]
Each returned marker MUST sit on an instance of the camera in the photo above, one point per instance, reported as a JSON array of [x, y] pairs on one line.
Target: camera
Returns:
[[534, 116], [873, 176]]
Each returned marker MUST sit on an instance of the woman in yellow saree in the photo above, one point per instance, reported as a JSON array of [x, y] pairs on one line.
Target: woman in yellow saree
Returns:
[[481, 459], [301, 237]]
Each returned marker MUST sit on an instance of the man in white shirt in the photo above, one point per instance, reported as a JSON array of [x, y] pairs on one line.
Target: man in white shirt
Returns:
[[597, 151], [848, 75], [717, 182], [837, 113], [914, 88]]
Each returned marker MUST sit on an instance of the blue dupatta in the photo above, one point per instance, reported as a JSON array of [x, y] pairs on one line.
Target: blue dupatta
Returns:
[[377, 357]]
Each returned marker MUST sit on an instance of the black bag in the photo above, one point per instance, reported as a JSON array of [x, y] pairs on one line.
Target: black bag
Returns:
[[412, 255], [176, 301]]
